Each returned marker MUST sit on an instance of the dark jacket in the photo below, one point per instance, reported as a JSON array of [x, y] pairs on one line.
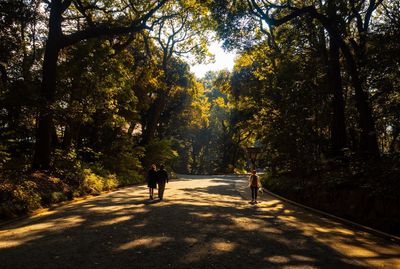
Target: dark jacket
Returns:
[[162, 176], [152, 178]]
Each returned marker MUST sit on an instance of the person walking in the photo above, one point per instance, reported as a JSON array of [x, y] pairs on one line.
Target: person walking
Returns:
[[254, 184], [162, 179], [152, 180]]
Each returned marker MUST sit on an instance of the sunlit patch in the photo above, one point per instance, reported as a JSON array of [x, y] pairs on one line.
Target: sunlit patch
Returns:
[[322, 230], [107, 209], [356, 251], [288, 218], [224, 246], [23, 235], [247, 223], [271, 230], [343, 231], [140, 210], [68, 221], [202, 215], [277, 259], [302, 258], [9, 243], [148, 242], [112, 221], [190, 240], [273, 202], [275, 207], [39, 226]]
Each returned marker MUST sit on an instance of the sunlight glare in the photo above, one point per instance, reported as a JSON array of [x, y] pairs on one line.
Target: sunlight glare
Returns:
[[223, 60]]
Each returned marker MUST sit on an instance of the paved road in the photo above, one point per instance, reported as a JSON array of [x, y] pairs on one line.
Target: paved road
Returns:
[[204, 222]]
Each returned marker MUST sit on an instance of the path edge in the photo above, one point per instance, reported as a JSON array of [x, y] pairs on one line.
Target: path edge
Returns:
[[347, 222]]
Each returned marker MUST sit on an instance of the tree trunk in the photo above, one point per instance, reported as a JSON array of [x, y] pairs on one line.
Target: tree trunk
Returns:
[[154, 117], [3, 73], [67, 138], [338, 125], [369, 147], [41, 159], [392, 146], [55, 42]]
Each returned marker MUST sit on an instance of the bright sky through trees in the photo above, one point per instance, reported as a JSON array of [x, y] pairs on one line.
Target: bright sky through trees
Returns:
[[223, 60]]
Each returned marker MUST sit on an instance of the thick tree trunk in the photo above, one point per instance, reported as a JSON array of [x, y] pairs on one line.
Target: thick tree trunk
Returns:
[[369, 147], [41, 159], [338, 125], [154, 117]]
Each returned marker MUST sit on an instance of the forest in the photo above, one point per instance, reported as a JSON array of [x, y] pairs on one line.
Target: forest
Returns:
[[92, 92]]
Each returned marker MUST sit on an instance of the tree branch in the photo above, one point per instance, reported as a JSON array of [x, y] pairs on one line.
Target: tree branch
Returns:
[[296, 12], [371, 8], [105, 30]]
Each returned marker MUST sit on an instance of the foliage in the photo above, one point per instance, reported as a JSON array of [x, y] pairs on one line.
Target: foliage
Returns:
[[160, 151]]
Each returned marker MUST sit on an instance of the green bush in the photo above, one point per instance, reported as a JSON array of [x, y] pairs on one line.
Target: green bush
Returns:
[[95, 184], [269, 181], [26, 197], [57, 197]]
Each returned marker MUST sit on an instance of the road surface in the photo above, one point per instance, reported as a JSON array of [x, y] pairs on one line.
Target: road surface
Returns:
[[204, 222]]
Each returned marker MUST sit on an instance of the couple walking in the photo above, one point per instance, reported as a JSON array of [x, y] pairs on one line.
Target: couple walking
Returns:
[[157, 177]]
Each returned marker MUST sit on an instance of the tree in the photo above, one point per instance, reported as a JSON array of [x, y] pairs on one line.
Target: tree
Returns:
[[133, 19], [266, 13], [182, 31]]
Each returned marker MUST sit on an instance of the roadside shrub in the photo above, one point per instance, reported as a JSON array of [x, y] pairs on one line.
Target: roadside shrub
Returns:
[[95, 184]]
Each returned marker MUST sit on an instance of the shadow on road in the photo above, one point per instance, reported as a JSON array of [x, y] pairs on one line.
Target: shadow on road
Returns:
[[202, 224]]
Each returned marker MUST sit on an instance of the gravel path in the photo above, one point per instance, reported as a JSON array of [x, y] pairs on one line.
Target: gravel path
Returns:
[[204, 222]]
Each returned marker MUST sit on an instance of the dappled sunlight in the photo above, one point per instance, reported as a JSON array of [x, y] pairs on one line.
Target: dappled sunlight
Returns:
[[200, 222], [345, 241], [247, 223], [112, 221], [337, 236], [302, 258], [287, 218], [224, 246], [271, 230], [147, 242], [24, 235], [277, 259], [202, 214], [9, 243], [105, 209]]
